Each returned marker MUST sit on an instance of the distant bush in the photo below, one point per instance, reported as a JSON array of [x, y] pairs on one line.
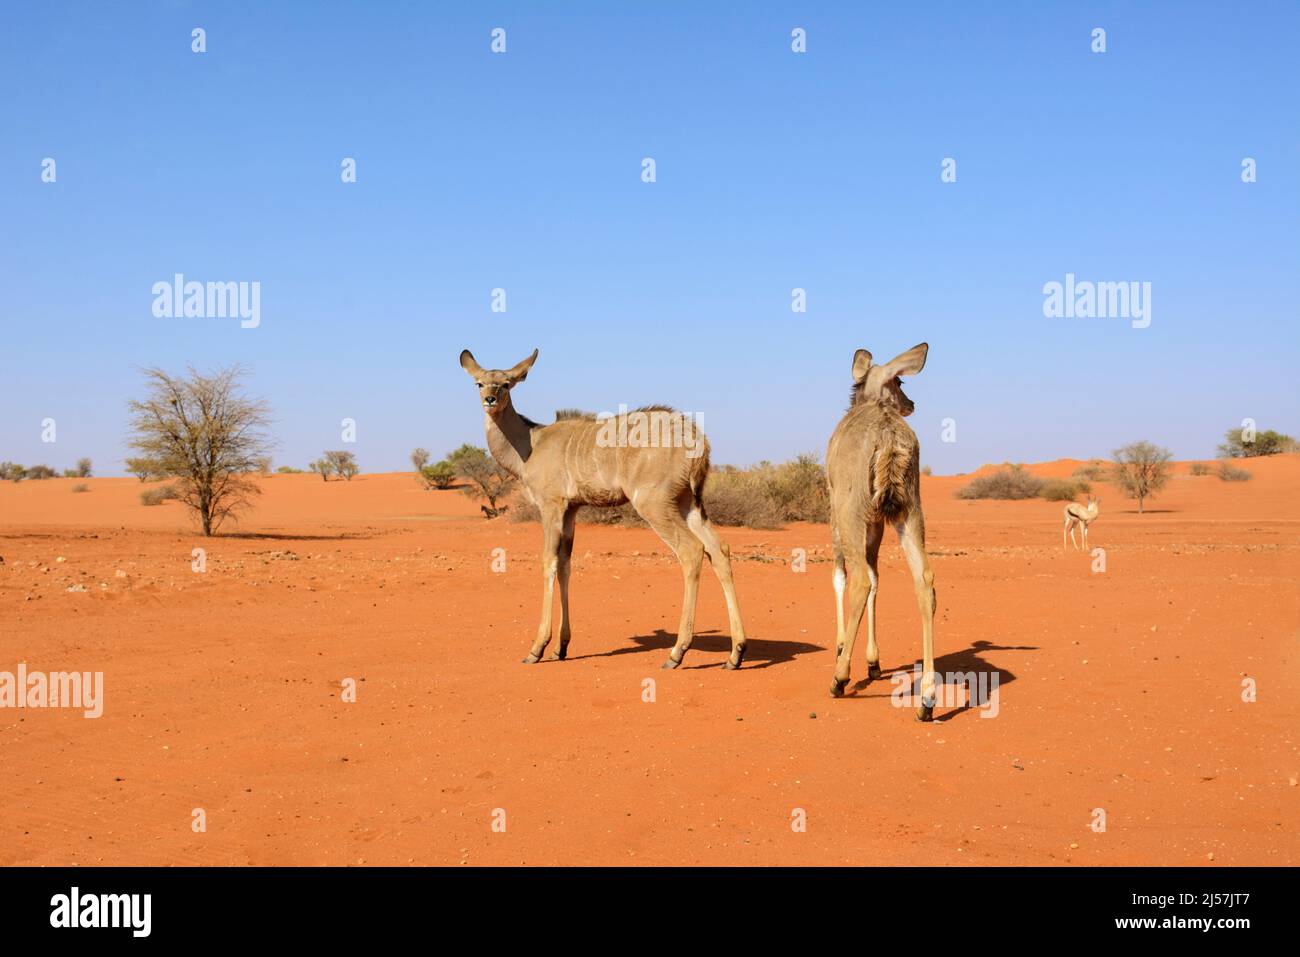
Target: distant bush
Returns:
[[322, 468], [81, 487], [1006, 483], [1094, 471], [439, 475], [39, 472], [145, 469], [12, 471], [1141, 470], [1198, 468], [343, 464], [926, 470], [420, 458], [1267, 442], [288, 470], [156, 496], [1230, 473], [1063, 490]]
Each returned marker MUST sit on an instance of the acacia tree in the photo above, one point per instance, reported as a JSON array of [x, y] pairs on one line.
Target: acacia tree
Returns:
[[343, 463], [202, 431], [486, 478], [1141, 470]]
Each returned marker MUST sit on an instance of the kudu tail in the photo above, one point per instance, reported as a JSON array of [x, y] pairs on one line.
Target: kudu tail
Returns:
[[891, 496]]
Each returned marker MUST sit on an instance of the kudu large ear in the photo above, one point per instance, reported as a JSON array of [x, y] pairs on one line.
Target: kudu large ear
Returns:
[[519, 373], [469, 365], [861, 364], [910, 362]]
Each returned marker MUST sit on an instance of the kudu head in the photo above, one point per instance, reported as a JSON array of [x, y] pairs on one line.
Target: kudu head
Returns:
[[882, 383], [494, 385]]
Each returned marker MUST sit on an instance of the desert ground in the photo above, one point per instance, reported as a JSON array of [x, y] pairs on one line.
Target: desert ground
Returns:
[[1120, 690]]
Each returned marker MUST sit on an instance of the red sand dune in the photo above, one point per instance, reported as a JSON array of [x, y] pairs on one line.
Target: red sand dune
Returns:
[[1119, 690]]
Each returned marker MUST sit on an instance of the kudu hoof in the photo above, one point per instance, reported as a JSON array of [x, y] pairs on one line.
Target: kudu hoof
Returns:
[[532, 659], [560, 653], [837, 687], [669, 665], [740, 658], [873, 671], [925, 712]]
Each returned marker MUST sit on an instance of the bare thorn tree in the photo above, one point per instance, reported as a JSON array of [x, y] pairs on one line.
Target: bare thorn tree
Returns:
[[343, 463], [202, 431], [1141, 470]]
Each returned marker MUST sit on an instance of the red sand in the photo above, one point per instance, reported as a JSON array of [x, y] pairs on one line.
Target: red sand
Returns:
[[1120, 690]]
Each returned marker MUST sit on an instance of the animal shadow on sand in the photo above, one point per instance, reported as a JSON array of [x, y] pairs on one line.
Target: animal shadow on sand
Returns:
[[954, 664], [759, 652]]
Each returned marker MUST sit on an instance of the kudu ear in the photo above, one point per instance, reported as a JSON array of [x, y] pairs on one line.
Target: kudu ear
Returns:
[[469, 365], [910, 362], [861, 364], [519, 372]]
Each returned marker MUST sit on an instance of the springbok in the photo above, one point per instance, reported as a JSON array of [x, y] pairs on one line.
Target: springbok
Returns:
[[584, 461], [1076, 514], [873, 469]]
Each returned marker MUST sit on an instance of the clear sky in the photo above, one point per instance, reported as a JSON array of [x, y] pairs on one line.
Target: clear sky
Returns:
[[775, 170]]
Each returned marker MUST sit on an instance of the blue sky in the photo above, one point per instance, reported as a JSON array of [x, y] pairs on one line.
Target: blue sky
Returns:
[[775, 170]]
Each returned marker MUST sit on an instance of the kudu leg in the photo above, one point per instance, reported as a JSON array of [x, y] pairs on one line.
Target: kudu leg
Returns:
[[874, 537], [720, 559], [911, 532], [859, 588], [563, 568], [669, 522], [552, 533]]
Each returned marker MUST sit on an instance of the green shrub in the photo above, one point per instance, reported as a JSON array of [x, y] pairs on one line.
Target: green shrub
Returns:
[[1267, 442], [439, 475]]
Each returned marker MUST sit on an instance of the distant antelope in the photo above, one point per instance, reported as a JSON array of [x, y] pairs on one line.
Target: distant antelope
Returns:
[[873, 468], [1076, 514], [582, 461]]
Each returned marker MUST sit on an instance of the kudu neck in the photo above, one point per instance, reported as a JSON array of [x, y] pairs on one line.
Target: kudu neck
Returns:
[[509, 438]]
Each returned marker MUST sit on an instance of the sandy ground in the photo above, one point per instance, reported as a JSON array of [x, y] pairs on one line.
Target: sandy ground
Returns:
[[1119, 690]]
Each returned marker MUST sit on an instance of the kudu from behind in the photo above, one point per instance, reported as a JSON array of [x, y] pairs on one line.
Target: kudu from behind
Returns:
[[873, 469]]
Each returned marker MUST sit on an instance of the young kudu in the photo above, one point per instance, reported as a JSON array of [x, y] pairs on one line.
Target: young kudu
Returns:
[[583, 461], [1076, 514], [873, 468]]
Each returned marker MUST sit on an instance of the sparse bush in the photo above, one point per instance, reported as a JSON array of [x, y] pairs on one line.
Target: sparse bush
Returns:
[[288, 470], [81, 487], [343, 464], [440, 475], [1141, 469], [39, 472], [156, 496], [1063, 490], [1012, 482], [1268, 442], [204, 432], [12, 471], [83, 468], [420, 458], [1198, 468], [487, 479], [322, 468], [1094, 471], [1230, 473], [263, 465], [926, 470], [145, 469]]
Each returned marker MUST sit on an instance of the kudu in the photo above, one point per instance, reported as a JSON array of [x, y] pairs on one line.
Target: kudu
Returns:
[[584, 461], [1076, 514], [873, 469]]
